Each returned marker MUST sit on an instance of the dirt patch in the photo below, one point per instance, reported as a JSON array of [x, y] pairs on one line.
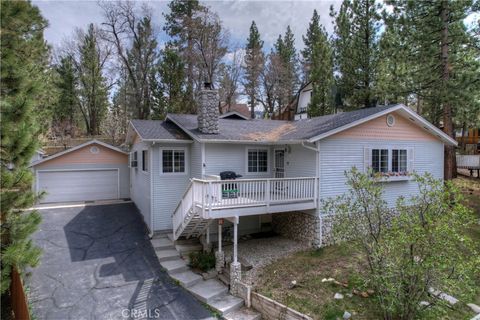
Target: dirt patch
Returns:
[[272, 135]]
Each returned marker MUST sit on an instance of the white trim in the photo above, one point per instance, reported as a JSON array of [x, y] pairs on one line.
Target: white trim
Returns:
[[400, 107], [202, 157], [37, 180], [268, 161], [94, 141], [186, 164]]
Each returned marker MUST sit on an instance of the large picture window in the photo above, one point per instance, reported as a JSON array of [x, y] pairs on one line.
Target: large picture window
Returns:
[[257, 160], [173, 161]]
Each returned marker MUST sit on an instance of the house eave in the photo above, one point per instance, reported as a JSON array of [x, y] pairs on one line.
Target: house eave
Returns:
[[399, 107]]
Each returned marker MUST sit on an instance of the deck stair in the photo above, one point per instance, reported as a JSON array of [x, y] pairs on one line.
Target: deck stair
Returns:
[[212, 291]]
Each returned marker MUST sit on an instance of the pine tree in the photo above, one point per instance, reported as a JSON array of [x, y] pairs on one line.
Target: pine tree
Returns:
[[180, 25], [321, 76], [310, 39], [172, 75], [442, 74], [356, 51], [93, 92], [254, 64], [64, 115], [285, 49], [142, 58], [23, 67]]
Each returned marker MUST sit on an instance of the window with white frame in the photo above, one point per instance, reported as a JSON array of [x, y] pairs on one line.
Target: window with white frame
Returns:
[[145, 160], [173, 161], [133, 159], [257, 160], [391, 161], [380, 160]]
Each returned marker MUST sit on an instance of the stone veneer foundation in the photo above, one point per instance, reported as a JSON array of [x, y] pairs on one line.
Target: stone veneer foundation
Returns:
[[298, 226]]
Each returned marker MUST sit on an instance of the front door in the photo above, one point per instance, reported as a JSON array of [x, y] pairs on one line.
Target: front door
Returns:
[[279, 163]]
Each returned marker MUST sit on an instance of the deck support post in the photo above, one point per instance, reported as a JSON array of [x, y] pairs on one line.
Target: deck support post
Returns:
[[219, 255], [235, 266]]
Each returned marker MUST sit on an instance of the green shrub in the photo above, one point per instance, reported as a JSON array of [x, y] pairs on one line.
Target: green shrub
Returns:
[[202, 260]]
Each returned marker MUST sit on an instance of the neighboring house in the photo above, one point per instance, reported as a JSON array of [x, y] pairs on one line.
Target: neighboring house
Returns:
[[240, 109], [297, 109], [91, 171], [287, 167]]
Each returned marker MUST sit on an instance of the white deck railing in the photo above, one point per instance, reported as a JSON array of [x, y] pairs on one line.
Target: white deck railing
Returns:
[[468, 161], [204, 196]]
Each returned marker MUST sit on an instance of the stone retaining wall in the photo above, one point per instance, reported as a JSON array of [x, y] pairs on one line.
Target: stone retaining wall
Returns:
[[273, 310], [298, 226], [326, 229]]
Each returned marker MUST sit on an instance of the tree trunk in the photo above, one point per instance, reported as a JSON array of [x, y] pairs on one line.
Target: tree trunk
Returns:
[[450, 166]]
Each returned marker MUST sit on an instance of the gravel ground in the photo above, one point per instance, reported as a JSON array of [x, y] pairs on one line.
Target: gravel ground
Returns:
[[262, 252]]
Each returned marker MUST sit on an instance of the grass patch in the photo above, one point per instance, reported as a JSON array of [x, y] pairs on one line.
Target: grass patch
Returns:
[[343, 263]]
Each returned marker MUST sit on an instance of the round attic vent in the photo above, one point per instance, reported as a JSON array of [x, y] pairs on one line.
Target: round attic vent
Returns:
[[390, 120], [94, 150]]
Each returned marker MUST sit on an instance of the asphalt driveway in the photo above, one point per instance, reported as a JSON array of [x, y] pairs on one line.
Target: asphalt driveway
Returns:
[[98, 263]]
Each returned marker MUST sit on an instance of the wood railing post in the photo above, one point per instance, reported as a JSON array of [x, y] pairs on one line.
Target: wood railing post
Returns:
[[209, 200], [267, 193]]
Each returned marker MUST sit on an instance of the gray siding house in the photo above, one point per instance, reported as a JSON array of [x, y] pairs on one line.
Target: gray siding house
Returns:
[[286, 167]]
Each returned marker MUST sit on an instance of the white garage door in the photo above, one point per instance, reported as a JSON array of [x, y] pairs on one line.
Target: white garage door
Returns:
[[81, 185]]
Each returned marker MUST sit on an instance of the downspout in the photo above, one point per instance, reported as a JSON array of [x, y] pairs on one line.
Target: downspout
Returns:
[[150, 164]]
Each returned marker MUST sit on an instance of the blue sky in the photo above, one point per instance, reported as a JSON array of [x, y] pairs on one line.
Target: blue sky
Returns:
[[272, 17]]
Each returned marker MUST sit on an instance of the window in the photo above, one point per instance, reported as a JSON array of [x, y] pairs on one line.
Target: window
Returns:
[[257, 160], [133, 157], [145, 160], [399, 160], [173, 161], [391, 161], [380, 160]]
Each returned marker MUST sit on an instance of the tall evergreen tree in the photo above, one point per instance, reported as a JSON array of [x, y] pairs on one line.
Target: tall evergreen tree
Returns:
[[65, 111], [321, 76], [180, 25], [93, 91], [23, 67], [356, 51], [254, 64], [285, 49], [172, 75], [310, 39], [442, 72]]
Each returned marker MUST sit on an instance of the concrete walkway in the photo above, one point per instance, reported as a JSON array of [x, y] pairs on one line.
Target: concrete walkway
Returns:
[[98, 263]]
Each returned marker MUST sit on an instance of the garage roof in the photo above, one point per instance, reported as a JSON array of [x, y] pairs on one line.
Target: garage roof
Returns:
[[94, 141]]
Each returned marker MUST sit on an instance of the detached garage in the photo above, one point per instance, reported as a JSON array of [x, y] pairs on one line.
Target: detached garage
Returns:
[[91, 171]]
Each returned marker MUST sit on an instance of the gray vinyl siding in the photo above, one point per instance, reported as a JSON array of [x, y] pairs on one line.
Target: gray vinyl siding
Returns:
[[233, 157], [168, 189], [140, 184], [196, 160], [340, 155], [122, 171], [300, 162]]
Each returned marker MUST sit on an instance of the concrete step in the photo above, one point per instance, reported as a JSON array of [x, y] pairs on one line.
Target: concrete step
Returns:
[[187, 278], [183, 241], [167, 254], [243, 314], [225, 279], [206, 291], [226, 303], [185, 249], [162, 243], [174, 266]]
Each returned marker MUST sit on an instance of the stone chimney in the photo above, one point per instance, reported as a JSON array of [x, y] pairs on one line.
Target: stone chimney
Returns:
[[208, 110]]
